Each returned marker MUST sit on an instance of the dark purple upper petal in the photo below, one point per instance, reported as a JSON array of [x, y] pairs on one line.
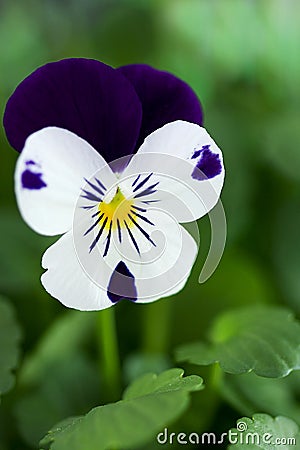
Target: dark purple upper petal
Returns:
[[85, 96], [164, 98]]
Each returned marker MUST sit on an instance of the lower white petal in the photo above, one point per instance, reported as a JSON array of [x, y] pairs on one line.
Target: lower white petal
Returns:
[[143, 261], [159, 259], [67, 281], [163, 270]]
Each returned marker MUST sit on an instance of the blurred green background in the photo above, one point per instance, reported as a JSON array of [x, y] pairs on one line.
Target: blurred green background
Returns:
[[242, 58]]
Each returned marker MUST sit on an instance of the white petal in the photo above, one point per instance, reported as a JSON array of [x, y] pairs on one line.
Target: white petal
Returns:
[[163, 270], [49, 176], [67, 281], [174, 154], [156, 255]]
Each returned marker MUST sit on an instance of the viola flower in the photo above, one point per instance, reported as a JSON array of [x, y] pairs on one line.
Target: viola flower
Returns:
[[114, 160]]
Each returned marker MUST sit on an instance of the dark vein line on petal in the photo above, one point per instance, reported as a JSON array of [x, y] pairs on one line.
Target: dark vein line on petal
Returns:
[[90, 196], [132, 237], [141, 230], [119, 231], [149, 190], [94, 225], [141, 184], [143, 218], [97, 189], [136, 180], [147, 202], [100, 184], [139, 209], [98, 235], [88, 207], [108, 240]]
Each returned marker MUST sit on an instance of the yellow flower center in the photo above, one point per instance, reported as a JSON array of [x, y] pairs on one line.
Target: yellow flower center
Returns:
[[117, 210]]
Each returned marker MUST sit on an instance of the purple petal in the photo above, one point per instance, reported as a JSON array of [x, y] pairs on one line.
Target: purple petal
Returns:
[[121, 284], [85, 96], [164, 98]]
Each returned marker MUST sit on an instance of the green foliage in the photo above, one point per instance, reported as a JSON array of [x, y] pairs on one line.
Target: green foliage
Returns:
[[218, 294], [47, 377], [242, 59], [148, 404], [286, 250], [63, 392], [140, 363], [283, 133], [263, 339], [169, 381], [65, 336], [249, 393], [265, 433], [9, 345], [26, 48], [255, 46], [21, 248]]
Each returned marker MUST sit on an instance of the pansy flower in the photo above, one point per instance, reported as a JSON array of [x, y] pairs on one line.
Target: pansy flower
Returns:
[[114, 160]]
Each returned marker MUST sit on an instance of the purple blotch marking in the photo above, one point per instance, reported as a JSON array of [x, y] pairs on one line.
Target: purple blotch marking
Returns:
[[30, 163], [121, 284], [32, 180], [198, 152], [209, 165]]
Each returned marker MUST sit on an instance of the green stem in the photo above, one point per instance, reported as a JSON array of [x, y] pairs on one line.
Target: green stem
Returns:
[[216, 377], [109, 353], [156, 326], [210, 399]]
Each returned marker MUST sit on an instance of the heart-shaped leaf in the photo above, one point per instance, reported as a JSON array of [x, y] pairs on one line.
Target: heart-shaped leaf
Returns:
[[264, 433], [47, 377], [249, 393], [263, 339], [149, 404]]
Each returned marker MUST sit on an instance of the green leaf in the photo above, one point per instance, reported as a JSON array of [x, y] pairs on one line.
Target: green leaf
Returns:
[[249, 393], [264, 432], [149, 404], [47, 377], [61, 426], [9, 347], [68, 388], [263, 339], [218, 294], [169, 381], [67, 334], [286, 250]]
